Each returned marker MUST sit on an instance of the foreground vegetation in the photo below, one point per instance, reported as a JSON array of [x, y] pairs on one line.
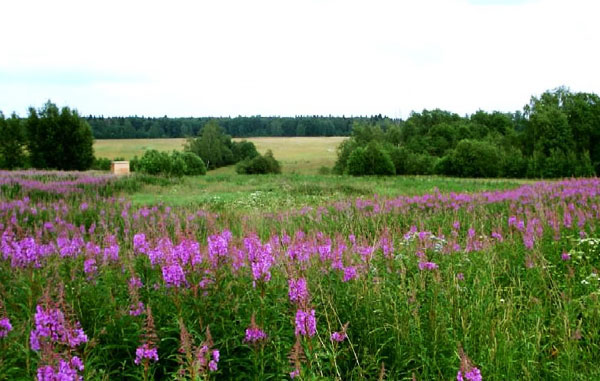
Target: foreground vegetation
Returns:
[[419, 286]]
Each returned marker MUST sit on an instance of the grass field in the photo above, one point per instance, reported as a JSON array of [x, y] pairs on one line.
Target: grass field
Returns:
[[225, 191], [297, 155]]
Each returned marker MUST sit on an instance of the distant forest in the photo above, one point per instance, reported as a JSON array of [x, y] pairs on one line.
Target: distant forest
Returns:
[[136, 127]]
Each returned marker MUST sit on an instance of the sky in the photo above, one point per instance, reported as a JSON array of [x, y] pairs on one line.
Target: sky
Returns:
[[294, 57]]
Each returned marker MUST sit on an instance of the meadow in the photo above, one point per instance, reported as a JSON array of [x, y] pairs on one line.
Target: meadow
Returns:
[[302, 155], [298, 276]]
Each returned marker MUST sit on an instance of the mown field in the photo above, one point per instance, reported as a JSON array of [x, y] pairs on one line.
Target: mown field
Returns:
[[298, 276], [304, 155]]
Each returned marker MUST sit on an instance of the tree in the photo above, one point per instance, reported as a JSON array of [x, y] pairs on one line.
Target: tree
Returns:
[[12, 142], [59, 139], [213, 146]]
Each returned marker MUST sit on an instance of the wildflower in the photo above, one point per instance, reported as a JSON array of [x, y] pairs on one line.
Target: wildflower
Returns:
[[306, 323], [460, 276], [145, 352], [52, 326], [472, 375], [67, 371], [135, 282], [137, 310], [5, 327], [254, 333], [349, 273], [295, 373], [338, 336], [427, 266], [565, 256], [173, 275], [298, 291]]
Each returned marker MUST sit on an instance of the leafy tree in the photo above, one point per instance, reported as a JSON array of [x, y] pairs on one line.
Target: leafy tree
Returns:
[[12, 142], [243, 150], [59, 139], [213, 146], [475, 158]]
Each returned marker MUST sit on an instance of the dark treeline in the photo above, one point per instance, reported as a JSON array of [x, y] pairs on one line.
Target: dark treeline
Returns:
[[135, 127], [556, 135]]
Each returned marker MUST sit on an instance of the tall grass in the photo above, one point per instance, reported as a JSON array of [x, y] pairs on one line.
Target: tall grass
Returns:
[[416, 287]]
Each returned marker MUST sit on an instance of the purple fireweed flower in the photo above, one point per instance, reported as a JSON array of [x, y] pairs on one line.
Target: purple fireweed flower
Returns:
[[205, 355], [460, 276], [173, 275], [89, 266], [349, 273], [52, 326], [137, 310], [139, 243], [145, 352], [218, 246], [66, 371], [565, 256], [295, 373], [427, 266], [5, 327], [306, 324], [298, 291], [254, 334], [472, 375], [338, 336], [135, 283]]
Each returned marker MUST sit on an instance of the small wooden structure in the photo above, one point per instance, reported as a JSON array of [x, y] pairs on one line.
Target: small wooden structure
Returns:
[[119, 167]]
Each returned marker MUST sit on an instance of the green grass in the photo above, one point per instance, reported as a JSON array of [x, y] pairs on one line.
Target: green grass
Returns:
[[276, 192], [297, 155], [519, 313]]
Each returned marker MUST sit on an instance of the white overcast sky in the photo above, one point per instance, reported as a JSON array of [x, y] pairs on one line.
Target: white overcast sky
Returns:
[[284, 57]]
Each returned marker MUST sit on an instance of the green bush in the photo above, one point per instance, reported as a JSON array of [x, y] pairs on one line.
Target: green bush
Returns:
[[372, 160], [357, 162], [261, 164], [101, 164], [194, 164]]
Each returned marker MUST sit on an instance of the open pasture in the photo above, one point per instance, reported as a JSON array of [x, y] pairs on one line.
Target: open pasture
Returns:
[[297, 155], [422, 282]]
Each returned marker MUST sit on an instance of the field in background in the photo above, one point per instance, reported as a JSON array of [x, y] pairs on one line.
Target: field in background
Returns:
[[297, 155]]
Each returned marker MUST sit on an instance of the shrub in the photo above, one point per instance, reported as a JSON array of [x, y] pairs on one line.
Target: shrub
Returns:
[[243, 150], [194, 164], [372, 160], [261, 164], [324, 170], [154, 162], [357, 162], [101, 164]]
